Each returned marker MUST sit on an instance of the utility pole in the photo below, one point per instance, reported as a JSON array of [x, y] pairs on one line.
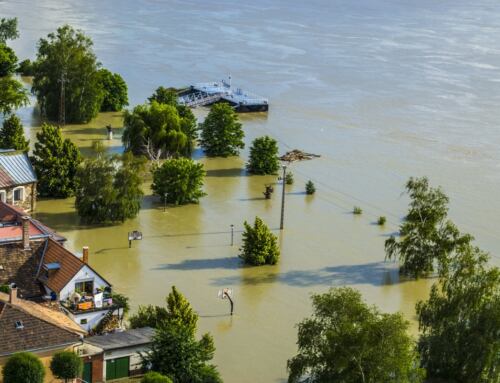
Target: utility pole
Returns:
[[62, 107], [283, 180]]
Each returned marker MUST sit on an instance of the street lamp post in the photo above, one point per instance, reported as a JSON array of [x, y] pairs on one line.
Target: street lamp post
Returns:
[[232, 234], [283, 180]]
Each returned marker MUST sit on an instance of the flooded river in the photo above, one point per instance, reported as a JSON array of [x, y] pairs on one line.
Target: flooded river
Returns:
[[382, 90]]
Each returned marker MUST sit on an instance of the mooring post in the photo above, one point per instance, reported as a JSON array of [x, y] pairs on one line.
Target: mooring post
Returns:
[[283, 197]]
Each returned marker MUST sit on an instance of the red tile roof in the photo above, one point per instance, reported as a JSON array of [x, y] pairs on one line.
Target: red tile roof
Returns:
[[70, 265]]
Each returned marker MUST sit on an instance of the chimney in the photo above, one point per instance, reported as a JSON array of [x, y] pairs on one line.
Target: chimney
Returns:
[[26, 232], [85, 255], [13, 296]]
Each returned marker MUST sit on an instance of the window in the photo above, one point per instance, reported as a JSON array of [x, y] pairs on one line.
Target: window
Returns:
[[3, 196], [18, 194], [85, 287], [83, 321]]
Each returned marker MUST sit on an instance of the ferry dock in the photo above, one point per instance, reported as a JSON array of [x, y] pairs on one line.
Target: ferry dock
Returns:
[[204, 94]]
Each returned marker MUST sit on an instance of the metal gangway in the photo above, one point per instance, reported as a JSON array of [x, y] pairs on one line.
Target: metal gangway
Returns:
[[199, 99]]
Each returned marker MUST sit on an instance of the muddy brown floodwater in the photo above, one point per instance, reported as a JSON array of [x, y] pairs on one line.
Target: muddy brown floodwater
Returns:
[[382, 90]]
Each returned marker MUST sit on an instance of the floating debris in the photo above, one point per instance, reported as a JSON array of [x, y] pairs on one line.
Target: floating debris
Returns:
[[298, 155]]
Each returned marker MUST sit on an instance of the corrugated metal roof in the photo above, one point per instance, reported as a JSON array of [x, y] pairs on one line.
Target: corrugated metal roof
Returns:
[[124, 339], [15, 169]]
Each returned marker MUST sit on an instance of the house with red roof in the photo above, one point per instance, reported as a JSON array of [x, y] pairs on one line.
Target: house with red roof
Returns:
[[33, 258], [17, 179]]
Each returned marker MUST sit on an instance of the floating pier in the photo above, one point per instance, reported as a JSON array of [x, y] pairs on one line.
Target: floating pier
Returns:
[[209, 93]]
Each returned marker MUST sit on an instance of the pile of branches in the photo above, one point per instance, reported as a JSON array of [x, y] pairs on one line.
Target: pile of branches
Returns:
[[297, 155]]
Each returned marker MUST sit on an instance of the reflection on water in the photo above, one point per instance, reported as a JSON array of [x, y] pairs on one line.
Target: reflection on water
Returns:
[[382, 90]]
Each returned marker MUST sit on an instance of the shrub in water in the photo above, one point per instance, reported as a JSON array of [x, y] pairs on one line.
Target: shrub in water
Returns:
[[381, 221], [310, 188], [289, 178], [357, 210]]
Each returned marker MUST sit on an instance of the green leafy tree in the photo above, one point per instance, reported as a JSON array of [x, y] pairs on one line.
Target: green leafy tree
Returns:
[[346, 340], [155, 377], [310, 188], [12, 135], [66, 58], [8, 60], [264, 156], [56, 161], [8, 29], [26, 68], [426, 235], [176, 353], [66, 365], [221, 132], [109, 190], [460, 322], [164, 95], [178, 312], [115, 91], [259, 245], [180, 179], [23, 367], [157, 131], [289, 180], [12, 95]]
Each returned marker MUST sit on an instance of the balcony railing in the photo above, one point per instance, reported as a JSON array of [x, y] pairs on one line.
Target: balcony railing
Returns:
[[88, 305]]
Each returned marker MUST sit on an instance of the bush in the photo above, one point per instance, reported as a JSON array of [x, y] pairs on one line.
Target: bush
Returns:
[[310, 188], [263, 156], [155, 377], [259, 245], [289, 178], [5, 289], [381, 221], [25, 68], [221, 132], [357, 210], [66, 365], [181, 179], [23, 367]]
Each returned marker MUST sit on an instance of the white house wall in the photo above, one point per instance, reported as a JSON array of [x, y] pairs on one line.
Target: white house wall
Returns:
[[93, 319], [84, 274]]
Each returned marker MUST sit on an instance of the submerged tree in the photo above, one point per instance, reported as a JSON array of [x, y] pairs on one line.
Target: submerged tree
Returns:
[[109, 188], [12, 135], [179, 181], [175, 352], [12, 95], [260, 245], [158, 131], [114, 88], [164, 95], [264, 156], [55, 161], [8, 60], [221, 132], [346, 340], [8, 29], [426, 235], [65, 60], [460, 322], [178, 312]]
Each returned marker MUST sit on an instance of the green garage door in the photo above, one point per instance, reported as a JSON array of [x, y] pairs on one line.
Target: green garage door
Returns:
[[87, 372], [117, 368]]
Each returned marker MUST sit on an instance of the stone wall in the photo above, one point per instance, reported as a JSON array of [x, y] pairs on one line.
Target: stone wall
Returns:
[[29, 202]]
